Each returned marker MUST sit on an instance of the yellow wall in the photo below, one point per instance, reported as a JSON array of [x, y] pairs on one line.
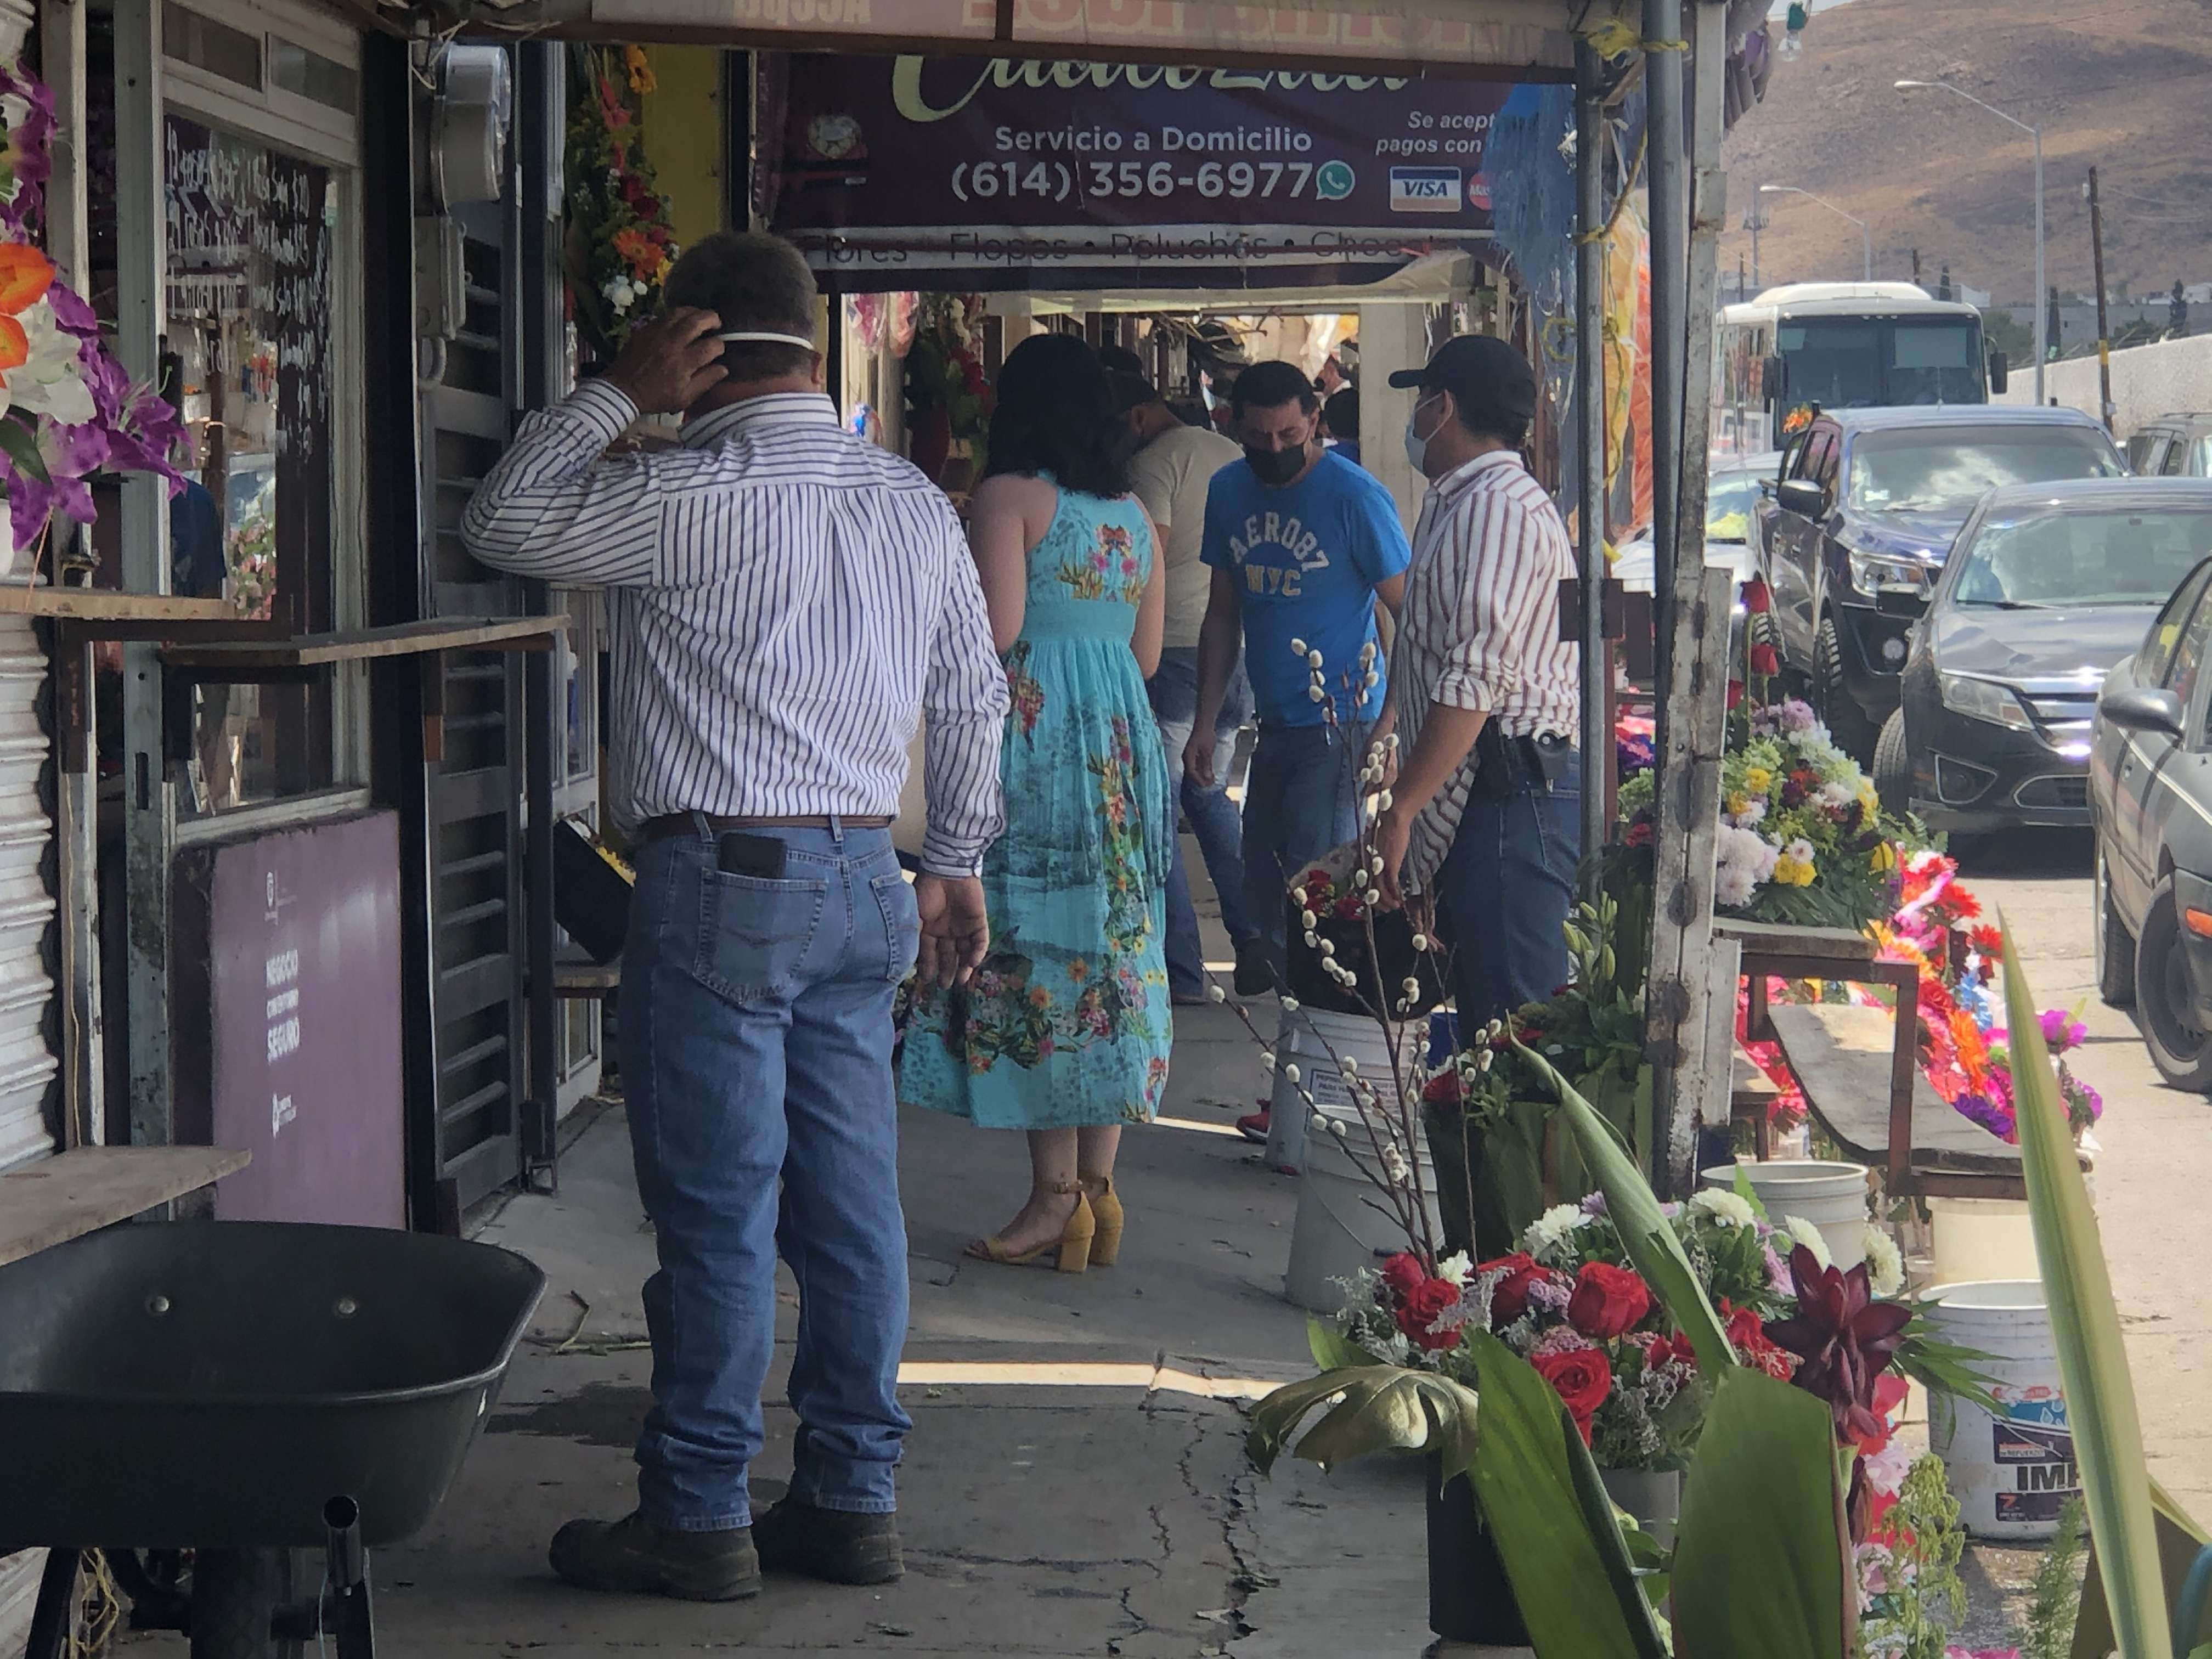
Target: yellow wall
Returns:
[[686, 135]]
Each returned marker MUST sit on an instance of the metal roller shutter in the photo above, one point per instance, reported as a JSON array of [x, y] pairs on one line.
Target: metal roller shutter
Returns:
[[28, 1065]]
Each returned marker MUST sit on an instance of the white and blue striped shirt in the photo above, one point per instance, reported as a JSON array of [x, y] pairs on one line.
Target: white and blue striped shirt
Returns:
[[785, 601]]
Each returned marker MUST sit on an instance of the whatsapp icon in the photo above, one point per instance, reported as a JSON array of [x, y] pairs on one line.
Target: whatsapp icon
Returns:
[[1333, 180]]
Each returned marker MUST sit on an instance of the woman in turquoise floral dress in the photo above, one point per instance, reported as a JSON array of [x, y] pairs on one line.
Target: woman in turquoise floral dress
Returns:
[[1064, 1032]]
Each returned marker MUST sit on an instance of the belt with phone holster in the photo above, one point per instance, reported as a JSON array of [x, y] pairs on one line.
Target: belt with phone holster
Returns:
[[738, 852], [1505, 766]]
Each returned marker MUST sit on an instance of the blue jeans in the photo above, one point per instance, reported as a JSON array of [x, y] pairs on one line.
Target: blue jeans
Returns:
[[1213, 817], [756, 1050], [1505, 890], [1300, 802]]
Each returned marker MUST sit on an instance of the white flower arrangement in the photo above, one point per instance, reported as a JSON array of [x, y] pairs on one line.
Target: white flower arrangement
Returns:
[[1549, 1230], [1727, 1209], [1885, 1262], [1803, 1233]]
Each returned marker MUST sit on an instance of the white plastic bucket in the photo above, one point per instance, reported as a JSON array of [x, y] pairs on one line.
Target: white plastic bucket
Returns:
[[1977, 1239], [1286, 1112], [1831, 1196], [1318, 1043], [1982, 1238], [1343, 1222], [2011, 1473]]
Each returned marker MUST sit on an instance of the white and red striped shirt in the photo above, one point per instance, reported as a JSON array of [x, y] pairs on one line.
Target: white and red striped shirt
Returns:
[[1481, 627]]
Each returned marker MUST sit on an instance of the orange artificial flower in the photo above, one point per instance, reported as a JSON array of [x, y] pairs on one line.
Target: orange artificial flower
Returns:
[[14, 345], [26, 274]]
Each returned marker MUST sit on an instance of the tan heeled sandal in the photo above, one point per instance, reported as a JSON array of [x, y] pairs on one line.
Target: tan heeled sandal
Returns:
[[1074, 1243], [1106, 1218]]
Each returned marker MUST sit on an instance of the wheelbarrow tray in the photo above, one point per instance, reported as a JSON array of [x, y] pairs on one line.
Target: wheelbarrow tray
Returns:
[[214, 1384]]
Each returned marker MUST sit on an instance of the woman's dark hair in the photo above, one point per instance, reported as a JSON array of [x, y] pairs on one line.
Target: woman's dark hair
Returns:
[[1055, 414]]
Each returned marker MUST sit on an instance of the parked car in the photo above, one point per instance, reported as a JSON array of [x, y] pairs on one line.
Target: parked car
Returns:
[[2150, 796], [2173, 446], [1731, 496], [2047, 587], [1865, 503]]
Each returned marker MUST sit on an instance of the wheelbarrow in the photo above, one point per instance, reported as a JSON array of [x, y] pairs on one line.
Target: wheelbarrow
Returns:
[[248, 1392]]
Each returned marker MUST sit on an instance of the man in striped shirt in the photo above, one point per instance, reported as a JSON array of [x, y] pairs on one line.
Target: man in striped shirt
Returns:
[[784, 601], [1485, 811]]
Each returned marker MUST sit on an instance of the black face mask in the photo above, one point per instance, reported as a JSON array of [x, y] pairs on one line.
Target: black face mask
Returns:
[[1276, 467]]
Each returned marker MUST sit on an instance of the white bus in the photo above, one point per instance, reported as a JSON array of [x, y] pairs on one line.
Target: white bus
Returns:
[[1842, 345]]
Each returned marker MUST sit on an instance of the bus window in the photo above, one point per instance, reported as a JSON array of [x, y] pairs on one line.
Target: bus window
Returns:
[[1857, 363]]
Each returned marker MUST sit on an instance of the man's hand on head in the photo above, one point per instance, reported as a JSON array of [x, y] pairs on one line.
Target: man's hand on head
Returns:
[[670, 362]]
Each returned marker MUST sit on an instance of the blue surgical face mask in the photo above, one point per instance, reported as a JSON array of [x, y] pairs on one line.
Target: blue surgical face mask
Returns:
[[1417, 446]]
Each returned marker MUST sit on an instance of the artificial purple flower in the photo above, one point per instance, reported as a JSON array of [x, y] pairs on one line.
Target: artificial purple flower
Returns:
[[1843, 1338], [2062, 1031], [1981, 1110], [73, 313]]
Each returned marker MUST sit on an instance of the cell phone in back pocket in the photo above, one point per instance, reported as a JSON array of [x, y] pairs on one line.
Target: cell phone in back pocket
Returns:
[[750, 855]]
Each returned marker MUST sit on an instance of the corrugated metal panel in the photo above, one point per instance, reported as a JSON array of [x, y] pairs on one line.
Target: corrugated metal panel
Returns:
[[28, 1065], [19, 1594]]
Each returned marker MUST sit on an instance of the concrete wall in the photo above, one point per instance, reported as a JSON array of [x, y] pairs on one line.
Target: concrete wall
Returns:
[[2148, 381]]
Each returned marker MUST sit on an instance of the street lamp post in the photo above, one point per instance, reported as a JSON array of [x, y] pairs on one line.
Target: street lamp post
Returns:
[[2042, 308], [1866, 238]]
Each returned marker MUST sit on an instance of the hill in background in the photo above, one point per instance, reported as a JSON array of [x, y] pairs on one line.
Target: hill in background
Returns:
[[2123, 87]]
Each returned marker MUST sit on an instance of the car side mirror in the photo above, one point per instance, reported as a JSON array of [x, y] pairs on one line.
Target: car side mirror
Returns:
[[1802, 496], [1904, 603], [2143, 708], [2000, 371]]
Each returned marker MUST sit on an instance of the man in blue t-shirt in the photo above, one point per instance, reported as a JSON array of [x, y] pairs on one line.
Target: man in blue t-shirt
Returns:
[[1302, 542]]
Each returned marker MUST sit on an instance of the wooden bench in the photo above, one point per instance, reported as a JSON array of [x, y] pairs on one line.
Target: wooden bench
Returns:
[[78, 1192], [1842, 1057], [1751, 1094], [578, 978], [1772, 950]]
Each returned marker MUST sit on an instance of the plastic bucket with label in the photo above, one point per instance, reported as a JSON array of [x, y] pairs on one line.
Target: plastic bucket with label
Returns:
[[1318, 1043], [1344, 1222], [2013, 1472]]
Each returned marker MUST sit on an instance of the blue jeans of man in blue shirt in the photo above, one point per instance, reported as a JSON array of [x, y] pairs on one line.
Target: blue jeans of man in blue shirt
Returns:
[[1301, 802], [1506, 888], [1214, 818], [756, 1057]]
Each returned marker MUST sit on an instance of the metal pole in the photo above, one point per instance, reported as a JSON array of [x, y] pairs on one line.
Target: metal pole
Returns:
[[1670, 221], [2042, 294], [1865, 253], [2105, 409], [1598, 760]]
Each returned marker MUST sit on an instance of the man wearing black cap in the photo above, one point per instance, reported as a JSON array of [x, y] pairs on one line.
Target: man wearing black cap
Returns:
[[1486, 812]]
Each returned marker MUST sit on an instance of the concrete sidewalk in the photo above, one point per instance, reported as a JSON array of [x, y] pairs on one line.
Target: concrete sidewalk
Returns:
[[1070, 1487]]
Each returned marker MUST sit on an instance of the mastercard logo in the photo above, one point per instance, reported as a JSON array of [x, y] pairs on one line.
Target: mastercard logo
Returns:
[[1477, 192]]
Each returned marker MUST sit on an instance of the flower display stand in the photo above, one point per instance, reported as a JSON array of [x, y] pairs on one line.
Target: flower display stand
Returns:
[[1470, 1603], [1654, 1496]]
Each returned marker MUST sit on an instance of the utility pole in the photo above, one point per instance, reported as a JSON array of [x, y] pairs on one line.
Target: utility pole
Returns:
[[1916, 267], [2103, 330], [1754, 221]]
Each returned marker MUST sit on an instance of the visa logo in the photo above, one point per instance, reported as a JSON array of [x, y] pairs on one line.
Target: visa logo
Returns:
[[1424, 189]]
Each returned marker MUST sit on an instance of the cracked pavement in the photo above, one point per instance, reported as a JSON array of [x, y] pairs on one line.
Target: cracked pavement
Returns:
[[1071, 1486]]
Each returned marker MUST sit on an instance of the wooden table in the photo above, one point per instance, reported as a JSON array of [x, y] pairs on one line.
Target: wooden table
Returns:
[[1774, 952], [1842, 1055], [1751, 1094], [75, 1192]]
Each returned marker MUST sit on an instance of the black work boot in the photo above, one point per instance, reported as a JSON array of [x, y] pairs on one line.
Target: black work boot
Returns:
[[1256, 970], [632, 1556], [834, 1546]]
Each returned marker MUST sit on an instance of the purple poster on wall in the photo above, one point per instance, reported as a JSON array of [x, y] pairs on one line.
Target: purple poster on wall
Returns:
[[288, 1038], [913, 173]]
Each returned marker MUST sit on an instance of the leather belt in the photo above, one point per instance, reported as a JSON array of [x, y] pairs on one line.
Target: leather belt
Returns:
[[688, 824]]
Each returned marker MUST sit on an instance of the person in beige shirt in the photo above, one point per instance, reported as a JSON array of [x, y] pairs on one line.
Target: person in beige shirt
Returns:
[[1173, 466]]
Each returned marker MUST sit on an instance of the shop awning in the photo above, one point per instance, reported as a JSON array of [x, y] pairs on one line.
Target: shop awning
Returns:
[[1509, 39]]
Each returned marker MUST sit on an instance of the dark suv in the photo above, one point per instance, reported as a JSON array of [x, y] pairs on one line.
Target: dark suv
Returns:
[[1860, 517]]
